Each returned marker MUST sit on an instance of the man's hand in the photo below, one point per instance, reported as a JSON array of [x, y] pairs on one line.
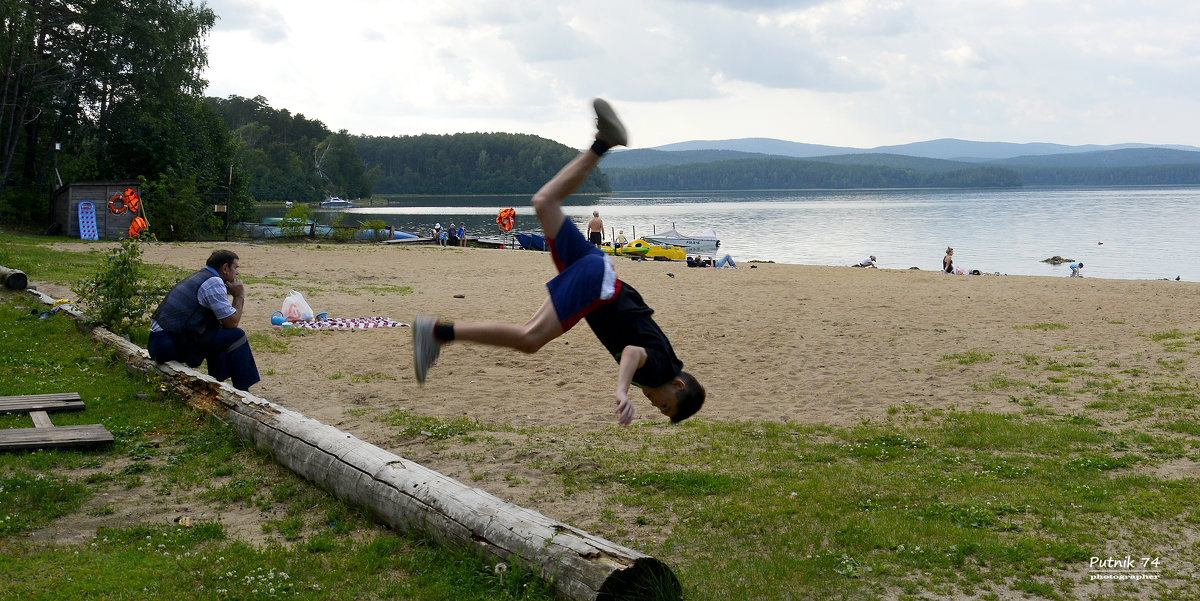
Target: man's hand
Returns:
[[624, 410], [236, 288]]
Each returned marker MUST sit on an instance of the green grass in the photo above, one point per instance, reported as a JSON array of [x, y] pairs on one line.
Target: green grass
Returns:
[[975, 501], [968, 357], [166, 453], [1042, 326]]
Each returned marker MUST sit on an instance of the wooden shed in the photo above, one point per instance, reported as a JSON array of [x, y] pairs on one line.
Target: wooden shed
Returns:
[[109, 225]]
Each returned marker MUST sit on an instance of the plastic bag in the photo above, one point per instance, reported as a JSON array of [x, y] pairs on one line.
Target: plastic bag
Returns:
[[295, 309]]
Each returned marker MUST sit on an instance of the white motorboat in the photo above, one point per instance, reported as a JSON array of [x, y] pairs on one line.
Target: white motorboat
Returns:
[[334, 202], [704, 243]]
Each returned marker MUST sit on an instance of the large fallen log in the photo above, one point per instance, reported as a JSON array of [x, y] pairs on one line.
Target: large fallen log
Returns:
[[409, 497], [13, 279]]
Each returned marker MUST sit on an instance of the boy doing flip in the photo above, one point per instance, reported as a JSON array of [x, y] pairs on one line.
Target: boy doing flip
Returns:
[[587, 288]]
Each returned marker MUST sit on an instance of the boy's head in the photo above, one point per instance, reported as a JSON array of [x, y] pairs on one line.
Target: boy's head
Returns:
[[678, 399]]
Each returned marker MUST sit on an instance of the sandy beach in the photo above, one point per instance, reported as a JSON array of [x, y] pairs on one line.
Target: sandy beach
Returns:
[[772, 342]]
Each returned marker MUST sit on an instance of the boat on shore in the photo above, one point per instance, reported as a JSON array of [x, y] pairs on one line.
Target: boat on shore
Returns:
[[642, 248], [531, 241], [704, 243], [334, 202]]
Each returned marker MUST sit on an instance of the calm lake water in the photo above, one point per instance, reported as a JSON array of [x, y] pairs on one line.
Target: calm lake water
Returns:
[[1128, 233]]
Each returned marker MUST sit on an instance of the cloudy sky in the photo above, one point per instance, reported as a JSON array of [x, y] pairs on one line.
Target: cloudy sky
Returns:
[[858, 73]]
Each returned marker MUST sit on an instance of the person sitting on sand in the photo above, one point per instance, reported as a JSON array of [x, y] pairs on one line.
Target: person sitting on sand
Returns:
[[948, 261], [868, 262], [587, 288], [1076, 268]]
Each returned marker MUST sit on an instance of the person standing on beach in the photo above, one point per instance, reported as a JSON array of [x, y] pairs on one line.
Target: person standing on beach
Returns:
[[1076, 269], [197, 321], [595, 229], [462, 234], [948, 261], [587, 288]]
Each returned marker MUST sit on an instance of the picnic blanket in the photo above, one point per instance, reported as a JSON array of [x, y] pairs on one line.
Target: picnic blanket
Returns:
[[349, 323]]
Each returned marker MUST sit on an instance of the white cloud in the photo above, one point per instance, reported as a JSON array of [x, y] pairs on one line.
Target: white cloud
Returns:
[[859, 72]]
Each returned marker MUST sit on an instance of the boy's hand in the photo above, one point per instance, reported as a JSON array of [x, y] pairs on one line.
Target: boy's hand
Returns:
[[624, 410]]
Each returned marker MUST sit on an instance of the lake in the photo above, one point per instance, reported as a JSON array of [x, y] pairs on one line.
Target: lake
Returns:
[[1128, 233]]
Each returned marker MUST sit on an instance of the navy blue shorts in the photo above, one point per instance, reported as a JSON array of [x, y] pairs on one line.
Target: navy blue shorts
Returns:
[[586, 278]]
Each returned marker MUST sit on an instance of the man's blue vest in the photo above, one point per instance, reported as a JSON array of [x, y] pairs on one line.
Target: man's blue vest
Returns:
[[181, 314]]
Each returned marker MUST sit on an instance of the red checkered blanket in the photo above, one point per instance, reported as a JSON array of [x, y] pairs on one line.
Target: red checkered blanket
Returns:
[[349, 323]]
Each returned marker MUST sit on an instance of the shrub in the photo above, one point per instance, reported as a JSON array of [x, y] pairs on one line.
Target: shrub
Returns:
[[120, 295]]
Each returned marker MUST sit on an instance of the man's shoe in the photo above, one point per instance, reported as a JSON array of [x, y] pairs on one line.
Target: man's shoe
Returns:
[[425, 347], [608, 126]]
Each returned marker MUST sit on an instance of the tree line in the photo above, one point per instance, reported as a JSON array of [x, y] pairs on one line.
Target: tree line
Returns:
[[760, 174], [1154, 175], [468, 163], [101, 90], [291, 157]]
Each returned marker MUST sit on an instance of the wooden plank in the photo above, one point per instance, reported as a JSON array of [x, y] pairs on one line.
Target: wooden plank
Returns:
[[63, 401], [41, 419], [56, 437]]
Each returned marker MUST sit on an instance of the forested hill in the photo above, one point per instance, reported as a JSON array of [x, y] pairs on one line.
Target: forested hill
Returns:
[[768, 174], [475, 163]]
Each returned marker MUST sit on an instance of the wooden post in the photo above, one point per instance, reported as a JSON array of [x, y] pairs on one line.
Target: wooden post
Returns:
[[13, 279], [409, 497]]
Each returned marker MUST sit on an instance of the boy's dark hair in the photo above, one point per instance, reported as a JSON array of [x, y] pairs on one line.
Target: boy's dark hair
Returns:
[[690, 399], [221, 257]]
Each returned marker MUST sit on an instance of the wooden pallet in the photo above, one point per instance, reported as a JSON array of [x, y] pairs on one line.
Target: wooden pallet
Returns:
[[44, 434]]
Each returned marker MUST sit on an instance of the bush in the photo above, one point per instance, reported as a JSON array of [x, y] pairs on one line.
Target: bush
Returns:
[[296, 222], [120, 295]]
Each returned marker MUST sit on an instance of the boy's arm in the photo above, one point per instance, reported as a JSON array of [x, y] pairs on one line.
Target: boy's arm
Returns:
[[632, 358]]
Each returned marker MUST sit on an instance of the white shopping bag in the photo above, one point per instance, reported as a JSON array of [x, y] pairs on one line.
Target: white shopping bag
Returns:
[[295, 309]]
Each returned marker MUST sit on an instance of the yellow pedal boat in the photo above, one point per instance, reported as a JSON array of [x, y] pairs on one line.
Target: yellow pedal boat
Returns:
[[645, 249]]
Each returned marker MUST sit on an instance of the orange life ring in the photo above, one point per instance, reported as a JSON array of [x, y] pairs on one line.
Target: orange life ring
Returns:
[[112, 202], [507, 219]]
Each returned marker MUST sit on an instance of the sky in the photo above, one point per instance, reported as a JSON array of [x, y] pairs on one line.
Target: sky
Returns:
[[859, 73]]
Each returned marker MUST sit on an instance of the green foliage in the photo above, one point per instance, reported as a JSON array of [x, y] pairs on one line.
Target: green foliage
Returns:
[[338, 162], [475, 163], [1156, 175], [276, 148], [297, 221], [117, 85], [121, 295], [174, 207]]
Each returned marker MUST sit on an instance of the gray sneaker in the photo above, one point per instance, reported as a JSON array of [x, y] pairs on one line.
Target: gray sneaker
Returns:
[[608, 126], [425, 347]]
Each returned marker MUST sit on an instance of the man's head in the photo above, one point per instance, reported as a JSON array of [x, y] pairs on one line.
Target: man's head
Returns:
[[678, 399], [595, 213], [225, 263]]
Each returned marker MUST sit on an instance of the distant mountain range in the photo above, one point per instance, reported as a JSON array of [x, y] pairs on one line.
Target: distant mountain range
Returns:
[[945, 148], [689, 165]]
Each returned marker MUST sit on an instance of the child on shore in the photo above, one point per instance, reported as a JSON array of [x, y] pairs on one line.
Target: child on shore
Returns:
[[587, 288]]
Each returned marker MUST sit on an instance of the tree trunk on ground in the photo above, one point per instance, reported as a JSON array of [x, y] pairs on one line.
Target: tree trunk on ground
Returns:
[[409, 497]]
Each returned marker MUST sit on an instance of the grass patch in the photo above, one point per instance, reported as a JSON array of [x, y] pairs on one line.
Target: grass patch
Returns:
[[408, 423], [1042, 326], [968, 357], [165, 452]]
